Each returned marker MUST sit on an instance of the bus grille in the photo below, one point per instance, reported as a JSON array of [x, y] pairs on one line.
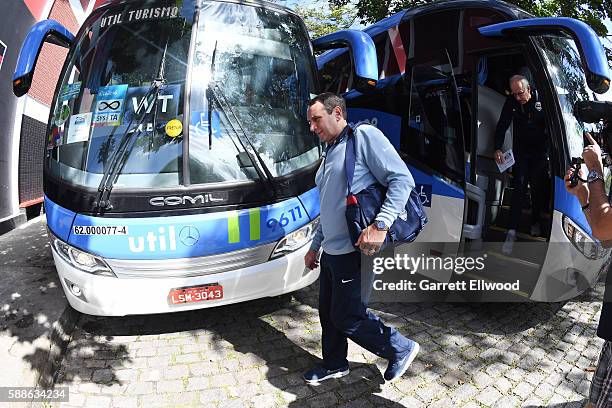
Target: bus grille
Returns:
[[188, 267]]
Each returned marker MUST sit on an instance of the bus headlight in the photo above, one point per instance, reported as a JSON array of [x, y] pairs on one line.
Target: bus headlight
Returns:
[[582, 241], [296, 239], [81, 260]]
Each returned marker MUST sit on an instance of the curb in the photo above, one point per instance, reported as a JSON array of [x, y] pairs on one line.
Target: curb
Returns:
[[59, 338]]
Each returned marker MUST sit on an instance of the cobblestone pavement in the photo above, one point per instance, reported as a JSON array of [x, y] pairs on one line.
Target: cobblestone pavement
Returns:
[[253, 354], [31, 303]]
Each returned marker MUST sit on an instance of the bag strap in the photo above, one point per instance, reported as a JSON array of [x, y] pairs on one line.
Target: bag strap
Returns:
[[349, 158]]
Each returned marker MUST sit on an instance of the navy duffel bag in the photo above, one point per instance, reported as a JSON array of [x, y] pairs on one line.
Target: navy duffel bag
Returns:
[[362, 207]]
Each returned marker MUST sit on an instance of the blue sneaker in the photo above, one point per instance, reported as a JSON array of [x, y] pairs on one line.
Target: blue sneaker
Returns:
[[320, 373], [398, 366]]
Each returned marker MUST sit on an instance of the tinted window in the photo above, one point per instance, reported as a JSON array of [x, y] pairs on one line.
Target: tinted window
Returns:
[[432, 132], [472, 20], [337, 75], [435, 32], [390, 53]]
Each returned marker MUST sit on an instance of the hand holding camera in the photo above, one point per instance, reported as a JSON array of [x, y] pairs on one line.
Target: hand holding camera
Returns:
[[574, 173]]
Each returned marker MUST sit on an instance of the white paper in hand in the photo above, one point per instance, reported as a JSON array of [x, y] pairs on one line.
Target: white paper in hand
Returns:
[[507, 161]]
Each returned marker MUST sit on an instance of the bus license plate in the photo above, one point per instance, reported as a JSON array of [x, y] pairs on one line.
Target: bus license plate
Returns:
[[196, 294]]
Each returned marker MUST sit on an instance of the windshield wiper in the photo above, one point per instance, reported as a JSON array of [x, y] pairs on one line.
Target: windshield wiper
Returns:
[[126, 142], [161, 78], [215, 92], [209, 99]]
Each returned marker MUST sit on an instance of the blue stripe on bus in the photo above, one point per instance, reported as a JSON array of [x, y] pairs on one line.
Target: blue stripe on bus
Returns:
[[310, 201], [59, 219], [443, 188], [181, 236], [568, 205], [389, 124], [438, 185]]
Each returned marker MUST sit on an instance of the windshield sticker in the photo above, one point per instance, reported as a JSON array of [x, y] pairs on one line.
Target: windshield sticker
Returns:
[[55, 138], [199, 122], [174, 128], [78, 128], [109, 105], [70, 91], [62, 116], [167, 104], [139, 15]]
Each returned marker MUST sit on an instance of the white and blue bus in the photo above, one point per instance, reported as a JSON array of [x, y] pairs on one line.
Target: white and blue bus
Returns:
[[442, 81], [179, 166]]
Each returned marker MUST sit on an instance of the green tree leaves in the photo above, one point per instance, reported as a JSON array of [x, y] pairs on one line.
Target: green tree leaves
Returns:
[[592, 12], [322, 20]]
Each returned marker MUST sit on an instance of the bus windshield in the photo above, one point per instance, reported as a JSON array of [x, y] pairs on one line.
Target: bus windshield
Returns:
[[562, 61], [253, 74], [126, 80]]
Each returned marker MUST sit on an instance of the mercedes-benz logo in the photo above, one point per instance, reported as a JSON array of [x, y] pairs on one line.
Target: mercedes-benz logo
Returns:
[[189, 235]]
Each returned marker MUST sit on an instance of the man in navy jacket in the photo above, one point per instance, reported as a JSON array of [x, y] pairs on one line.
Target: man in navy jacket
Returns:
[[342, 309], [529, 148]]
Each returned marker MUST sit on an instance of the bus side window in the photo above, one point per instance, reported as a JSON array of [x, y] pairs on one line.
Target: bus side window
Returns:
[[389, 53], [428, 43], [432, 131], [473, 19], [337, 75]]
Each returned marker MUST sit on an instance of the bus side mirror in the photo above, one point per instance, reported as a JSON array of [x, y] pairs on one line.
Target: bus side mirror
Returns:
[[44, 31], [591, 51], [362, 52]]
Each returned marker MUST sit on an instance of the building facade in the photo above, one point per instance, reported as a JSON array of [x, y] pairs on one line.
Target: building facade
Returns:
[[25, 119]]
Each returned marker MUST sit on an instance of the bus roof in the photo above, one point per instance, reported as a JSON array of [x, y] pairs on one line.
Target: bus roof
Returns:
[[511, 11]]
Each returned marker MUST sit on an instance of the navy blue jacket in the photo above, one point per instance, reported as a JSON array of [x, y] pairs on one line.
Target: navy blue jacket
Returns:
[[529, 136]]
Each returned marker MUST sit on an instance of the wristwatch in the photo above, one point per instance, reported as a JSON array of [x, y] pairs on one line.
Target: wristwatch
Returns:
[[380, 225], [594, 175]]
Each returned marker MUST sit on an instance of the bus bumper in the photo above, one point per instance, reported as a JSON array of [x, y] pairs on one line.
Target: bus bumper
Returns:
[[111, 296]]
